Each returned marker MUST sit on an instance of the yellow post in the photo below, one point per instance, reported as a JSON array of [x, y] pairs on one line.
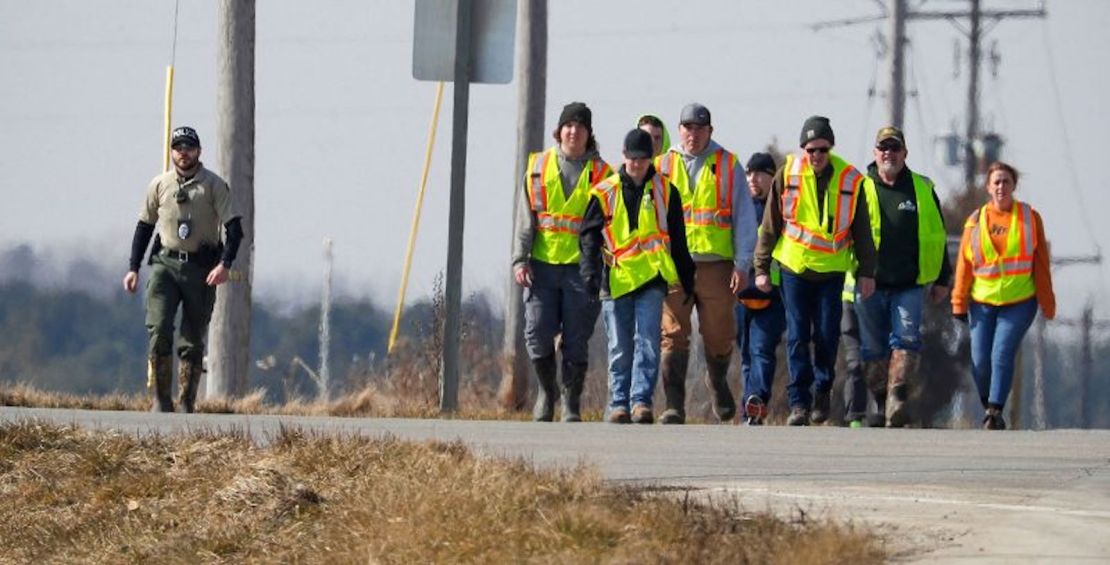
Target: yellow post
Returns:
[[415, 221], [168, 120]]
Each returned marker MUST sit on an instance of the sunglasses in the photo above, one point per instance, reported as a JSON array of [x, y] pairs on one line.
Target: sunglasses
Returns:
[[893, 147], [816, 150]]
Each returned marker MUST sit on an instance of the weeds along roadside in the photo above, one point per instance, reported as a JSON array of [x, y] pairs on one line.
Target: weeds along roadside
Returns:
[[80, 495]]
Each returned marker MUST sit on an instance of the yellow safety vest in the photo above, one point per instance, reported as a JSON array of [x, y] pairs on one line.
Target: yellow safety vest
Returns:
[[558, 219], [809, 241], [931, 237], [707, 204], [636, 257], [1006, 278]]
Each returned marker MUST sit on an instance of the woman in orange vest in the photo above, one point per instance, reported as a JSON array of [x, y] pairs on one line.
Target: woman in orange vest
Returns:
[[1002, 275]]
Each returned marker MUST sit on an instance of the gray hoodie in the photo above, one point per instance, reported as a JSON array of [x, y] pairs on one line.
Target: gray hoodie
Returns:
[[569, 172], [744, 224]]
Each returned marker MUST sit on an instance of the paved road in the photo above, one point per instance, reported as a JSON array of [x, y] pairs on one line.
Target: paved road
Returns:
[[942, 495]]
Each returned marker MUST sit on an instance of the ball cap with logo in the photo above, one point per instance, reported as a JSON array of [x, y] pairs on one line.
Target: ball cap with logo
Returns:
[[695, 113], [184, 136], [890, 132]]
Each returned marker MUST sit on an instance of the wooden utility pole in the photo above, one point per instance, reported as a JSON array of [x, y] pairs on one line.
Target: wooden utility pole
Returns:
[[896, 59], [230, 330], [974, 35], [1086, 361], [325, 325], [531, 98]]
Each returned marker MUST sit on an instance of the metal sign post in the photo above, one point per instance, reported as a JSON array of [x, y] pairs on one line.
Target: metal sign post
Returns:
[[481, 51]]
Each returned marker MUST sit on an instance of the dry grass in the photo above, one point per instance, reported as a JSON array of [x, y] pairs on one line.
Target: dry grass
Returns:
[[73, 495]]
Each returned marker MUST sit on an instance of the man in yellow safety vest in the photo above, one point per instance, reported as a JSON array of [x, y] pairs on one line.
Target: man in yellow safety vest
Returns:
[[720, 231], [816, 227], [546, 255], [634, 220]]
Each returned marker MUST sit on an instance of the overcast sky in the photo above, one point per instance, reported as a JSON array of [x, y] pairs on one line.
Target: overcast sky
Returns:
[[342, 125]]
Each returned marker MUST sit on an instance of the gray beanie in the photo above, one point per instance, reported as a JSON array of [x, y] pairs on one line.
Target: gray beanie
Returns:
[[817, 127]]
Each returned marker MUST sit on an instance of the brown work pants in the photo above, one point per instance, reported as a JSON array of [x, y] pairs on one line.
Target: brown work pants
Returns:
[[715, 304]]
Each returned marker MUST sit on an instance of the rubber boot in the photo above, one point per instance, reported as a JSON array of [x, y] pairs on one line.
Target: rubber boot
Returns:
[[574, 376], [674, 365], [875, 373], [903, 368], [716, 379], [188, 379], [548, 391], [159, 381]]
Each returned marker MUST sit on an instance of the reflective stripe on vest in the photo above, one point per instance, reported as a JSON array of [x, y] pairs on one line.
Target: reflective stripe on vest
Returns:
[[707, 205], [1006, 278], [809, 241], [558, 218], [931, 237], [635, 257]]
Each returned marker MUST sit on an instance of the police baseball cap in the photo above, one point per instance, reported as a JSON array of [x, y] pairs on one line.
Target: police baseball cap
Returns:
[[890, 132], [694, 113], [637, 145], [185, 135]]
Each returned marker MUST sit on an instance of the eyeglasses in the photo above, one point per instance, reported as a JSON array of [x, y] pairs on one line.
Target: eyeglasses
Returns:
[[892, 147], [816, 150]]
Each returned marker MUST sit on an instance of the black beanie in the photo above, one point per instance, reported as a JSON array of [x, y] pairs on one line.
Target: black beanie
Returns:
[[577, 112], [817, 127], [762, 162]]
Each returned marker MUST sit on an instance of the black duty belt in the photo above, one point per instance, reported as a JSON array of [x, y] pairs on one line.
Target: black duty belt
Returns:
[[183, 256]]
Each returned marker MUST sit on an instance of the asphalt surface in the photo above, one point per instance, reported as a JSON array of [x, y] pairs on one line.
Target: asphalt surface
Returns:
[[938, 495]]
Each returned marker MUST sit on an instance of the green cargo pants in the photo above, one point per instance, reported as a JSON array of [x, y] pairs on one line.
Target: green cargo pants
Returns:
[[174, 282]]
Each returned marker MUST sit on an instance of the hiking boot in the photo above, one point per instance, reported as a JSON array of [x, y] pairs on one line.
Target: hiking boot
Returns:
[[821, 402], [755, 411], [548, 391], [574, 375], [716, 378], [993, 419], [673, 364], [799, 416], [188, 380], [903, 368], [642, 414], [159, 380], [619, 415]]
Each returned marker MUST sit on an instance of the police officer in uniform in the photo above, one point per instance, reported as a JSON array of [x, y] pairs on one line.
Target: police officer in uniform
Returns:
[[186, 206]]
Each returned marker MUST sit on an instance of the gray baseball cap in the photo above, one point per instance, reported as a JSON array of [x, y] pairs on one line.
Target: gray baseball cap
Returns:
[[695, 113]]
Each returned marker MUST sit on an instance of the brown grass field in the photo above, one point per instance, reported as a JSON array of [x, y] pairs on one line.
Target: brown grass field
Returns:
[[78, 496]]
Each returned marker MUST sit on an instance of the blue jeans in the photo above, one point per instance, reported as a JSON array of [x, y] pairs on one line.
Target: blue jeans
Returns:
[[890, 319], [758, 333], [813, 312], [996, 333], [632, 325]]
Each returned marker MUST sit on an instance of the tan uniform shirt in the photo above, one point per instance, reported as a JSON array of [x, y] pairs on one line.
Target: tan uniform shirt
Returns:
[[208, 207]]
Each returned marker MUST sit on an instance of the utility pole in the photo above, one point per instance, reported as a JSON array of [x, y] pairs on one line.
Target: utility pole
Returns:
[[896, 59], [531, 98], [896, 13], [230, 330], [974, 35], [1086, 361], [1040, 418], [325, 325]]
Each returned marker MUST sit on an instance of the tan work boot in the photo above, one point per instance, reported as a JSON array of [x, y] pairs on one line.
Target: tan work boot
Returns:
[[903, 368], [188, 379], [159, 381], [642, 414], [716, 379], [673, 364], [619, 415]]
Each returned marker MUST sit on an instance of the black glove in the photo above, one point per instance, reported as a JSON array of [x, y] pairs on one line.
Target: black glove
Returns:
[[690, 297], [961, 317], [593, 287]]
